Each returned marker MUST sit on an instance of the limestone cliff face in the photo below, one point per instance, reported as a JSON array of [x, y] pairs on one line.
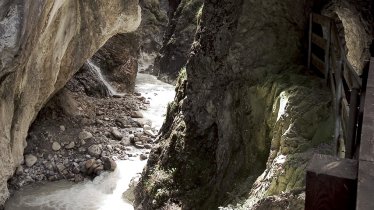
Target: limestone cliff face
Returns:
[[246, 118], [42, 44], [244, 105]]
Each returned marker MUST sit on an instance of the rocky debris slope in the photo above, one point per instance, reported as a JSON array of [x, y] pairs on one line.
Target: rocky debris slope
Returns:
[[42, 44], [83, 136]]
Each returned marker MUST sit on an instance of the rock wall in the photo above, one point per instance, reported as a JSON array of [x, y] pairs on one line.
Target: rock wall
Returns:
[[247, 118], [178, 38], [124, 54], [151, 31], [42, 44], [245, 107], [118, 60]]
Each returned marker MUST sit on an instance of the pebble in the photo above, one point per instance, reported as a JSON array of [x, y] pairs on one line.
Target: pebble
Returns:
[[116, 133], [149, 133], [143, 157], [60, 167], [136, 114], [48, 165], [109, 164], [30, 160], [147, 127], [89, 163], [147, 146], [94, 150], [85, 135], [62, 128], [19, 170], [56, 146], [71, 145]]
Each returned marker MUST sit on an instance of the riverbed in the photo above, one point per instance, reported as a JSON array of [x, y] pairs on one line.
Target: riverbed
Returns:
[[105, 191]]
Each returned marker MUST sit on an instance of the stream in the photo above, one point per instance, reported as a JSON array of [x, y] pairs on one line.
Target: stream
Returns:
[[105, 191]]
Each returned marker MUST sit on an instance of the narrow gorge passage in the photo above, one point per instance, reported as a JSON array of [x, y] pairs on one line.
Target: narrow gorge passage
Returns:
[[106, 191], [85, 126]]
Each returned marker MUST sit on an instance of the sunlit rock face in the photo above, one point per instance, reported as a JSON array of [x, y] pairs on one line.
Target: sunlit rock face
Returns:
[[354, 20], [42, 44]]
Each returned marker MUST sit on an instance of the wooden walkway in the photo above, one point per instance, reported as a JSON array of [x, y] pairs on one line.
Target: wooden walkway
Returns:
[[346, 180]]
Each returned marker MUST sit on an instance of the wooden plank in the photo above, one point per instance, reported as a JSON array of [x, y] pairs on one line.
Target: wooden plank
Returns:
[[352, 123], [319, 41], [331, 183], [365, 186], [310, 40], [320, 19], [332, 86], [338, 101], [367, 136], [334, 61], [318, 63], [345, 117], [327, 51]]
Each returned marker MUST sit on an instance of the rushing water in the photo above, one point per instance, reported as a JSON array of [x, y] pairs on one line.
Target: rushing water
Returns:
[[98, 72], [105, 191]]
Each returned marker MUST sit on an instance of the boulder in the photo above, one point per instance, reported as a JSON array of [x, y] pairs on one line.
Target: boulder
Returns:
[[30, 160]]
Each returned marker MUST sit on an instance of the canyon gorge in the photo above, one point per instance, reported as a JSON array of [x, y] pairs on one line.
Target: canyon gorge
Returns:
[[80, 103]]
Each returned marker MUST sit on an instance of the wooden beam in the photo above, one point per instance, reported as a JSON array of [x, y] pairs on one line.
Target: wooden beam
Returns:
[[318, 63], [327, 50], [331, 183], [365, 185], [367, 138], [352, 125], [320, 19], [319, 41], [310, 39]]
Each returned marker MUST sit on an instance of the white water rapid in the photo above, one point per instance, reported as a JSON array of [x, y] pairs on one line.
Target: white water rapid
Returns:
[[105, 191]]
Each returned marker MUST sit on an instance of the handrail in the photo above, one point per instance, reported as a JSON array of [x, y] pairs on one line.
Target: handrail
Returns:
[[346, 85]]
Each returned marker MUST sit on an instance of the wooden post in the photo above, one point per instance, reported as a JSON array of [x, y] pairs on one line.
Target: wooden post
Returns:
[[331, 183], [310, 39], [365, 184], [338, 102], [327, 50], [352, 122]]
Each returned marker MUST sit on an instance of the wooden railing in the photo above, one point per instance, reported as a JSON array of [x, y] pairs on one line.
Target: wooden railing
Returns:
[[346, 180], [347, 87]]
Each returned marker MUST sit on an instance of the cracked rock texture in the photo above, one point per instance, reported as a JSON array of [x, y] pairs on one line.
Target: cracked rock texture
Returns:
[[42, 44], [246, 118]]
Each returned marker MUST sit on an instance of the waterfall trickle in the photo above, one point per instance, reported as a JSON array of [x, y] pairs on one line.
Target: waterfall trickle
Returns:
[[94, 68]]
